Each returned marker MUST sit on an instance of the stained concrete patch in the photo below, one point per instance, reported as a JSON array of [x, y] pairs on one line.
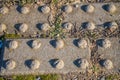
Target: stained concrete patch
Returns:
[[46, 55], [112, 53]]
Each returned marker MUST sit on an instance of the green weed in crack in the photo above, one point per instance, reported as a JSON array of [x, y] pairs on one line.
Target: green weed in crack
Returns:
[[57, 31]]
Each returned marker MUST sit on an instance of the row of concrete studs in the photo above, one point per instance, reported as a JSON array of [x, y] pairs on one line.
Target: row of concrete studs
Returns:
[[67, 26], [59, 44], [58, 64], [111, 8]]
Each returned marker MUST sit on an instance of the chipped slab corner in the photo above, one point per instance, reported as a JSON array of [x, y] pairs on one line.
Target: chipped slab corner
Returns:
[[45, 56]]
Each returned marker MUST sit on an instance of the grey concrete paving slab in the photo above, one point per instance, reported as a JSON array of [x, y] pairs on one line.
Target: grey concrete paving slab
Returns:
[[44, 54]]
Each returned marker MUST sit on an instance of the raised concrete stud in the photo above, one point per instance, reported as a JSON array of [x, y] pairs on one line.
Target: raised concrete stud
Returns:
[[108, 64], [13, 44], [59, 44], [45, 27], [89, 8], [110, 8], [59, 64], [82, 63], [106, 43], [4, 10], [82, 43], [10, 64], [112, 26], [2, 27], [45, 9], [23, 27], [90, 26], [67, 26], [25, 10], [34, 64], [67, 9], [36, 44]]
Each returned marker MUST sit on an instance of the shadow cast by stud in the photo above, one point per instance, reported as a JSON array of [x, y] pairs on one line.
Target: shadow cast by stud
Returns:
[[29, 43], [101, 62], [52, 62], [19, 9], [84, 25], [100, 42], [39, 26], [39, 9], [52, 42], [75, 42], [84, 7], [76, 62], [17, 26], [28, 63], [105, 7]]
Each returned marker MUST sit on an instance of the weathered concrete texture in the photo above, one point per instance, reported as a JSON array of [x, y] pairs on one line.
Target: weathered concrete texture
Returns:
[[44, 54], [112, 53], [99, 16], [33, 19]]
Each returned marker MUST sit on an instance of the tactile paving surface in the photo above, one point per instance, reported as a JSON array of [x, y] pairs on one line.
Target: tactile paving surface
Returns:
[[44, 54]]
